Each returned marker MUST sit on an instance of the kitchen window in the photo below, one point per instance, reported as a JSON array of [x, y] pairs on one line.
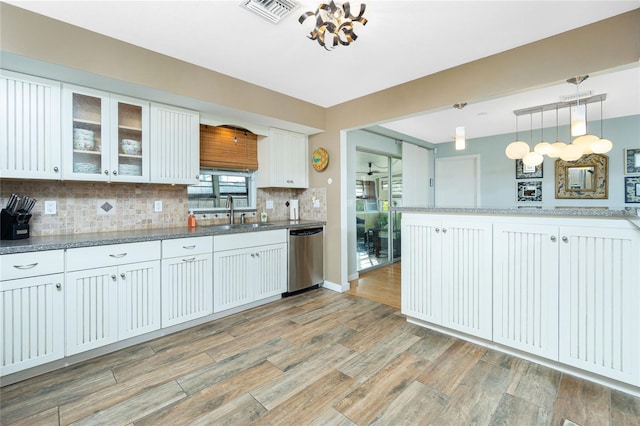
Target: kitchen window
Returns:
[[215, 186]]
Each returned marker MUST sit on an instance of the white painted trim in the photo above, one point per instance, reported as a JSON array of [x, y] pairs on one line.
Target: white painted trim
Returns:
[[354, 276], [344, 228], [441, 162], [333, 286]]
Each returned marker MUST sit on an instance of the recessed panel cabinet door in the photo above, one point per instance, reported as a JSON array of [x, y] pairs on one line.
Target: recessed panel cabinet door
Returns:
[[138, 298], [599, 295], [31, 322], [233, 278], [29, 127], [270, 270], [525, 288]]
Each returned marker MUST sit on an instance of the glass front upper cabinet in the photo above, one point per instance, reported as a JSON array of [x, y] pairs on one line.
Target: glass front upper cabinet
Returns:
[[105, 136]]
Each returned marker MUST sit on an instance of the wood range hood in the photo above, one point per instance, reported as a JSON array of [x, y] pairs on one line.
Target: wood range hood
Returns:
[[228, 147]]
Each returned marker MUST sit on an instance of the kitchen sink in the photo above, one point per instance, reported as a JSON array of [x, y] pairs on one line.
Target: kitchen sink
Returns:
[[240, 225]]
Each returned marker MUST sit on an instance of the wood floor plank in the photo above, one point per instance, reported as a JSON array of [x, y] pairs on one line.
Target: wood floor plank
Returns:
[[265, 321], [513, 410], [48, 417], [322, 312], [366, 402], [280, 389], [582, 402], [374, 312], [625, 409], [539, 385], [306, 405], [330, 416], [418, 404], [221, 370], [241, 411], [447, 371], [200, 404], [431, 345], [103, 398], [137, 407], [374, 333]]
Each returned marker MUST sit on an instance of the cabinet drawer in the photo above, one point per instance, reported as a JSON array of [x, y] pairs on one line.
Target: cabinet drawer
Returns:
[[186, 246], [249, 239], [22, 265], [110, 255]]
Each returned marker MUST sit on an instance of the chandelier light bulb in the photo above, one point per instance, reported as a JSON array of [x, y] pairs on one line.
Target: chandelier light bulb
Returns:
[[460, 139], [578, 120], [543, 148], [571, 153], [585, 142], [532, 159], [602, 146], [556, 149], [517, 150]]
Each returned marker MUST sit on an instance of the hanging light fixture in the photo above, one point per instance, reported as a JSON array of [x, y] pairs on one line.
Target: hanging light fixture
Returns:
[[460, 141], [542, 148], [578, 112], [518, 149], [334, 24], [601, 146], [557, 146], [532, 158]]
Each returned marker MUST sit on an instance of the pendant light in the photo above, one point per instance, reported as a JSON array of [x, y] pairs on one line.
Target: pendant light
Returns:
[[601, 146], [532, 158], [557, 146], [542, 148], [460, 141], [518, 149], [578, 112]]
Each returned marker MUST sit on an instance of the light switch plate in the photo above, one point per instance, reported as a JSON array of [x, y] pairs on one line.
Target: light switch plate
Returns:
[[50, 207], [316, 204], [269, 204], [157, 206]]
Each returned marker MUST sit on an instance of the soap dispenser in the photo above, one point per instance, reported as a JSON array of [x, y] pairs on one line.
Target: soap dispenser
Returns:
[[263, 216], [191, 220]]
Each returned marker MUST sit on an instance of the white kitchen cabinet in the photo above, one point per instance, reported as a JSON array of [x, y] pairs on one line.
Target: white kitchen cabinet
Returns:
[[187, 279], [29, 127], [95, 127], [31, 310], [525, 287], [175, 152], [283, 160], [113, 293], [447, 279], [248, 267], [599, 299]]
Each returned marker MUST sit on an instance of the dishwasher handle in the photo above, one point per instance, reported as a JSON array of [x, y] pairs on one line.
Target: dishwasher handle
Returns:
[[304, 232]]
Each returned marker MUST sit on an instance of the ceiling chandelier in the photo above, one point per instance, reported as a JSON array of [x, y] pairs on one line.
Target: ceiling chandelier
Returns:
[[334, 24], [583, 144]]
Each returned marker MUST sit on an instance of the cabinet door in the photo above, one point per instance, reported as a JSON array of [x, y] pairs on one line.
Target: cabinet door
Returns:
[[525, 288], [91, 309], [233, 278], [175, 152], [421, 270], [129, 121], [599, 301], [85, 134], [283, 159], [138, 299], [29, 127], [31, 322], [466, 276], [187, 288], [270, 270]]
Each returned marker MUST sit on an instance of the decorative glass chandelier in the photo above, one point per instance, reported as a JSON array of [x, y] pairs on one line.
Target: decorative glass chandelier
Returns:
[[334, 24]]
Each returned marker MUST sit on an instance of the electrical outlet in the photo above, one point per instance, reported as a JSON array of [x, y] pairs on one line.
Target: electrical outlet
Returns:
[[269, 204], [316, 204], [50, 207], [157, 206]]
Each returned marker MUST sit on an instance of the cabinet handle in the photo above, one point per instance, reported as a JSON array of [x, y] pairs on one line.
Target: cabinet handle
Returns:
[[115, 172], [565, 239], [113, 277], [25, 266], [253, 255], [123, 276], [444, 230], [59, 286], [553, 238], [55, 169], [191, 259], [257, 254], [189, 247], [106, 172], [117, 256], [437, 230]]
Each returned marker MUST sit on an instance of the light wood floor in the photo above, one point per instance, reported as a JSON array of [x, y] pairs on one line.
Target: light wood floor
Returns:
[[320, 358], [379, 285]]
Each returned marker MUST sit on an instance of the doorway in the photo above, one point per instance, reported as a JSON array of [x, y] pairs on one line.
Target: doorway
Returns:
[[378, 189]]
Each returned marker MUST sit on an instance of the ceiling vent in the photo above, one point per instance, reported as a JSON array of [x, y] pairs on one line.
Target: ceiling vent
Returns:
[[273, 10]]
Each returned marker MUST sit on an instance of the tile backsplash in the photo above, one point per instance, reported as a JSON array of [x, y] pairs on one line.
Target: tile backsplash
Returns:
[[83, 207]]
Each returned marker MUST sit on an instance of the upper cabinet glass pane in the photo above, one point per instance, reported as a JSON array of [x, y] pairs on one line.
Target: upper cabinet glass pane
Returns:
[[129, 139], [87, 134]]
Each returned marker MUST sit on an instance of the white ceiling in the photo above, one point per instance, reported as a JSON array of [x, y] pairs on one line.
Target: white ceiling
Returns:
[[402, 41]]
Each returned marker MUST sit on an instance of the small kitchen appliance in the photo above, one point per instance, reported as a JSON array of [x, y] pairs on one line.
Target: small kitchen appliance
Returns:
[[294, 211]]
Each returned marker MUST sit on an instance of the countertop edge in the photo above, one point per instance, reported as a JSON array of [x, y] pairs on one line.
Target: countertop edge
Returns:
[[627, 213], [68, 241]]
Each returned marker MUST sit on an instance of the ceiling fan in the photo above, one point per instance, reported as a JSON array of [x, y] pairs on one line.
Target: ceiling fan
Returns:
[[370, 172]]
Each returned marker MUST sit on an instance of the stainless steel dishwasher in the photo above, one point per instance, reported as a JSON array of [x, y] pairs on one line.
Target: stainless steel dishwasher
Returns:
[[306, 259]]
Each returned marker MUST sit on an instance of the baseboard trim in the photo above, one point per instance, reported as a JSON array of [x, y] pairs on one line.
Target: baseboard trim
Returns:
[[333, 286]]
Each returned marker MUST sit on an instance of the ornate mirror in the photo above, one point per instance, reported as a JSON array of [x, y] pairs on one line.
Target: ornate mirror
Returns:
[[585, 178]]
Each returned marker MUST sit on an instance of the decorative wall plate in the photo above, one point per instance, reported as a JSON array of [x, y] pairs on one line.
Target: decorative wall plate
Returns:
[[320, 159]]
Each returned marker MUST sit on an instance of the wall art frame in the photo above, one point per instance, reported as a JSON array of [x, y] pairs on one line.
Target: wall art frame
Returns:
[[632, 189], [530, 191], [594, 169], [528, 172], [631, 161]]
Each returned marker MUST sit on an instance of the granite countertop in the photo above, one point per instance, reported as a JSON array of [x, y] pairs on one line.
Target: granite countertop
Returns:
[[627, 213], [57, 242]]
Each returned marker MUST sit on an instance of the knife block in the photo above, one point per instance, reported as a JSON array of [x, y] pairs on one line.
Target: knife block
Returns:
[[14, 226]]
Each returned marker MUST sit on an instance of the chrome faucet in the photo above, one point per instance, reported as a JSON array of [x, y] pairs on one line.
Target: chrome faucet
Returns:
[[230, 207]]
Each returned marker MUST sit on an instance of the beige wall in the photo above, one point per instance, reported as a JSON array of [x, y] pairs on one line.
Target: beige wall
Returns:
[[596, 47]]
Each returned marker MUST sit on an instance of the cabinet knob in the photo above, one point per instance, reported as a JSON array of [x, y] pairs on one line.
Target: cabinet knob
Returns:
[[565, 239], [115, 172], [106, 172], [553, 238], [123, 276], [59, 286], [437, 230], [113, 277], [257, 254], [55, 169], [444, 230], [253, 255]]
